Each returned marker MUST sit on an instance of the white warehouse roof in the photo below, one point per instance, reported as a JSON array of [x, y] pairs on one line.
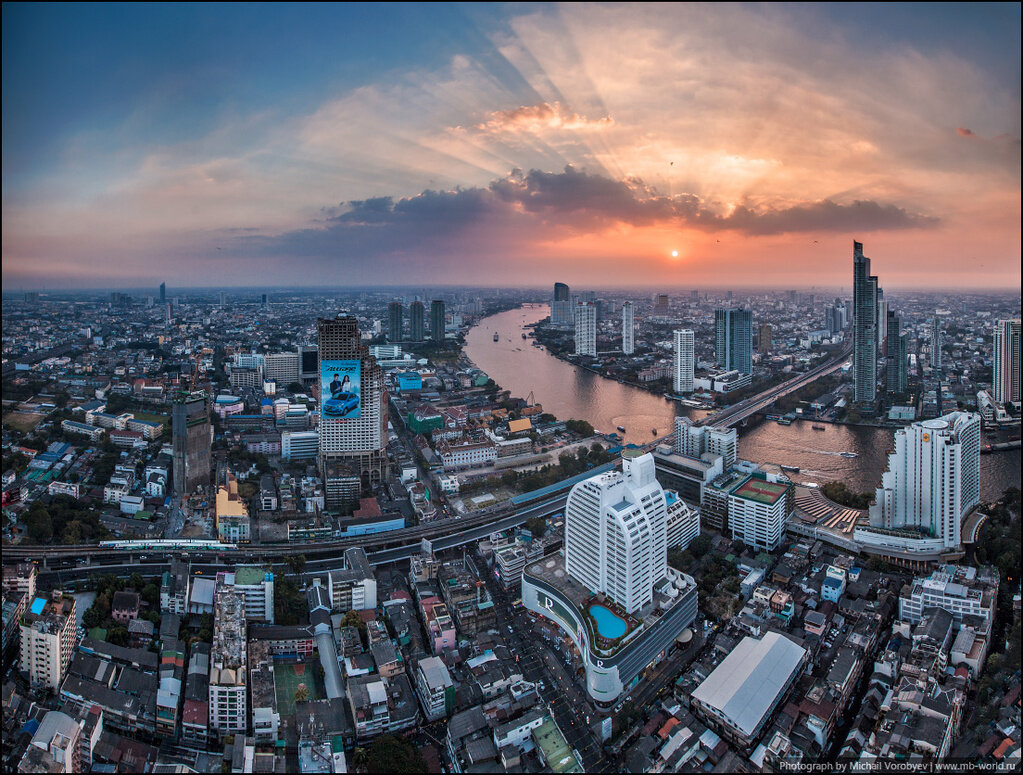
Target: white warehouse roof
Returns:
[[747, 683]]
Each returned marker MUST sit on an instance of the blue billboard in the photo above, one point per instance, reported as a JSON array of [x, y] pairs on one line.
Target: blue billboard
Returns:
[[340, 390]]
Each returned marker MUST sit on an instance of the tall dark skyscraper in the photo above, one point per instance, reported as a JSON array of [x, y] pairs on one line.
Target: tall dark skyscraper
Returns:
[[733, 339], [936, 343], [437, 321], [561, 306], [864, 328], [163, 293], [895, 376], [394, 316], [417, 321], [191, 437]]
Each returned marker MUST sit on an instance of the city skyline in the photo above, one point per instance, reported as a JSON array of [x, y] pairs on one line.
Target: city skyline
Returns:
[[188, 145]]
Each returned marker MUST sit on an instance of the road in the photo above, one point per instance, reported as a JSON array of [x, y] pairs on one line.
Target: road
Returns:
[[561, 693]]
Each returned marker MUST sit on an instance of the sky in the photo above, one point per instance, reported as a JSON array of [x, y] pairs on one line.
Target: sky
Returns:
[[510, 144]]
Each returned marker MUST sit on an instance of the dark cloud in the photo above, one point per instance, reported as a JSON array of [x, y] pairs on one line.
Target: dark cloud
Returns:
[[525, 206]]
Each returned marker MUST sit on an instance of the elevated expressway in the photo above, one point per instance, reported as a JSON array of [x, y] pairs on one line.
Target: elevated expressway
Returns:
[[747, 408]]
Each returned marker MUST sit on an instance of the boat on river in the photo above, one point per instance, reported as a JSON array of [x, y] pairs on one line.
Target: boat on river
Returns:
[[793, 469], [849, 454], [818, 427], [497, 337], [621, 429]]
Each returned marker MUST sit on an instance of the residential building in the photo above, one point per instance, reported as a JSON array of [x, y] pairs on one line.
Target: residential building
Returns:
[[694, 441], [684, 361], [353, 587], [48, 633], [936, 344], [586, 329], [283, 368], [683, 521], [394, 322], [733, 339], [628, 328], [55, 745], [300, 445], [1008, 358], [435, 687], [437, 320], [417, 322]]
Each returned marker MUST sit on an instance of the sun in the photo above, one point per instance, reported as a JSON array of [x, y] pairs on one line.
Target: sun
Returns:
[[674, 254]]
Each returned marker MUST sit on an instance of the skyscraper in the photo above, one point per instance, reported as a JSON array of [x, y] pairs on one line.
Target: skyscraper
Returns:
[[895, 376], [1007, 361], [765, 337], [417, 322], [864, 328], [733, 339], [163, 293], [882, 322], [394, 321], [191, 435], [933, 478], [661, 304], [694, 440], [685, 361], [585, 328], [936, 343], [352, 418], [561, 306], [616, 532], [628, 329], [437, 320]]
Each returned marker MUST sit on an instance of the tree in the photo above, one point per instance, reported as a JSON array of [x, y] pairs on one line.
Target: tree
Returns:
[[537, 526], [151, 594], [388, 753], [118, 636], [580, 427], [701, 545], [39, 524], [301, 693], [92, 618], [135, 581], [296, 563]]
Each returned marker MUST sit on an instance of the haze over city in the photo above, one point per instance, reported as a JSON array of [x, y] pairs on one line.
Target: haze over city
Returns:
[[659, 146]]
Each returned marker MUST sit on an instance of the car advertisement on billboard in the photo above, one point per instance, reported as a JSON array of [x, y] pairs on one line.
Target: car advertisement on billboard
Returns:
[[340, 390]]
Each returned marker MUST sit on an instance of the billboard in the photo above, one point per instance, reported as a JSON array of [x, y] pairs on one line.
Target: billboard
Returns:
[[340, 389]]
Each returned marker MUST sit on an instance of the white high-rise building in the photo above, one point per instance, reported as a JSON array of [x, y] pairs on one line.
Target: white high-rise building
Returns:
[[586, 328], [933, 478], [695, 440], [685, 360], [1007, 362], [628, 329], [616, 533]]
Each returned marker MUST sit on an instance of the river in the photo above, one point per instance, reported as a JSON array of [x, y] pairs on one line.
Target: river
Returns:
[[570, 392]]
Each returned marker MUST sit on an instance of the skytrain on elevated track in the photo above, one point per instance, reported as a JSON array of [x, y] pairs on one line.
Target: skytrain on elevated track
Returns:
[[169, 545]]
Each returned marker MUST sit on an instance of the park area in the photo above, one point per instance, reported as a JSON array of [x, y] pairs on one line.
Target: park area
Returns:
[[23, 421], [289, 676]]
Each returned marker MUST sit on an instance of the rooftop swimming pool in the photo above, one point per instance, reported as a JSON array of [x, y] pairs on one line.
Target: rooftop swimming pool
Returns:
[[609, 624], [40, 603]]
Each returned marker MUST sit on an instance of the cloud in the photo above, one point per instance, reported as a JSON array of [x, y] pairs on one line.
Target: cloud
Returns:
[[540, 117], [963, 132], [526, 208]]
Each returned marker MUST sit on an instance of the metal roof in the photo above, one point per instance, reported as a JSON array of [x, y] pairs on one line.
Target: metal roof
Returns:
[[747, 683]]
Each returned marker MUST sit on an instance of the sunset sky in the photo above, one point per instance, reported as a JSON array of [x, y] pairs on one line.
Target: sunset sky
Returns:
[[510, 144]]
